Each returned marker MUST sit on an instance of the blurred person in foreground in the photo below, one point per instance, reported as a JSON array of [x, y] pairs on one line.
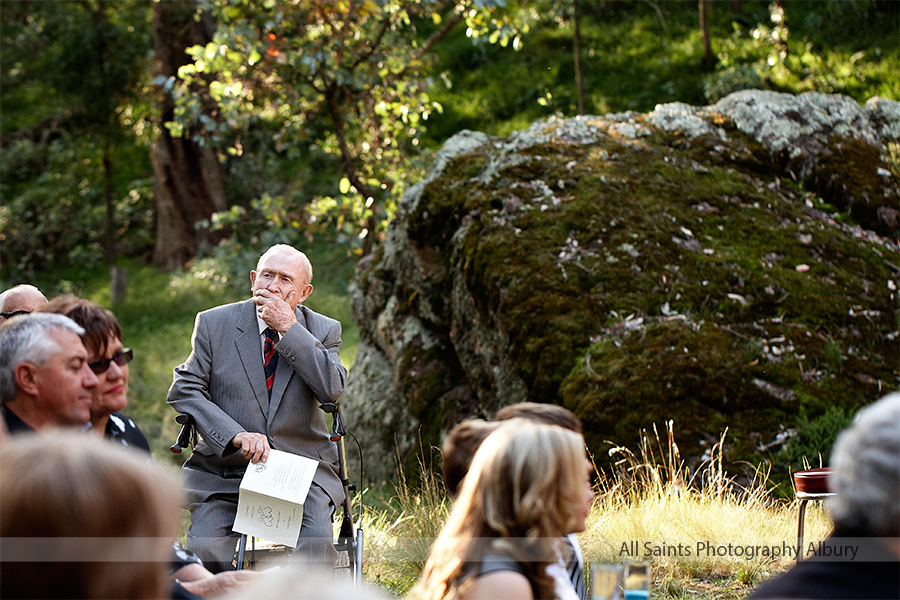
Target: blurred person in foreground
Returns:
[[463, 441], [90, 523], [865, 508], [45, 380], [20, 300], [527, 487], [304, 582]]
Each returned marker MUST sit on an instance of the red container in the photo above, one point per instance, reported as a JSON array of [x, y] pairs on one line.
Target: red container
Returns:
[[812, 481]]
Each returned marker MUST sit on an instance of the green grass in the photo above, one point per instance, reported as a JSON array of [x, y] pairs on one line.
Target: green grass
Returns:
[[638, 54]]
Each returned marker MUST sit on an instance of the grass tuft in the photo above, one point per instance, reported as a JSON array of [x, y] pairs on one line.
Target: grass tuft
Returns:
[[695, 526]]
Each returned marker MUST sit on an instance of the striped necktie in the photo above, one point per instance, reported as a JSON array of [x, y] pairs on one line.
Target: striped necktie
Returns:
[[270, 359]]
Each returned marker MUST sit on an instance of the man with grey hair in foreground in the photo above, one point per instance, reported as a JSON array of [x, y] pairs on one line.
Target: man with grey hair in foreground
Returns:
[[20, 300], [45, 380], [865, 480]]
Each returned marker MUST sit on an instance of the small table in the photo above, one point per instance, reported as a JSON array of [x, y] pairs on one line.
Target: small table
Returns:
[[811, 484]]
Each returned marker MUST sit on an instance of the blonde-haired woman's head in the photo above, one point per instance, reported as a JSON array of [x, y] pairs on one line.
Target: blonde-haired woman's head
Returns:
[[94, 521], [528, 485], [529, 480]]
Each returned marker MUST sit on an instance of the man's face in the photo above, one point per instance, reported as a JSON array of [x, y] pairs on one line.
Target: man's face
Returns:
[[282, 273], [64, 384]]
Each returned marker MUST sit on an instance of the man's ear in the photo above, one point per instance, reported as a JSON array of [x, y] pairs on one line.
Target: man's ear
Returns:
[[304, 293], [252, 278], [26, 379]]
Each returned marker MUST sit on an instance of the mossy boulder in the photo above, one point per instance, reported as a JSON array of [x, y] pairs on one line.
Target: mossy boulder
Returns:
[[723, 267]]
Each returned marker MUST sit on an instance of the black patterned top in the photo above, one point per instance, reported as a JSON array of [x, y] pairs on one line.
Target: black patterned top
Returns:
[[121, 429]]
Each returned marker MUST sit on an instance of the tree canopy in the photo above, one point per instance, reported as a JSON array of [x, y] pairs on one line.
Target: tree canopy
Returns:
[[315, 115], [350, 77]]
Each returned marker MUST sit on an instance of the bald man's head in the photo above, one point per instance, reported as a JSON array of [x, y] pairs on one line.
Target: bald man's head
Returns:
[[20, 299]]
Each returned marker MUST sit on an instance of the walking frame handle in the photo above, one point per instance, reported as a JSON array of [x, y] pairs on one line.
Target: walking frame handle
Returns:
[[186, 436]]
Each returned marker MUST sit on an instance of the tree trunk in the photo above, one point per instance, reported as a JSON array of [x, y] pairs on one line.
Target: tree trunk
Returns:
[[188, 181], [579, 81], [117, 284], [118, 276], [709, 59]]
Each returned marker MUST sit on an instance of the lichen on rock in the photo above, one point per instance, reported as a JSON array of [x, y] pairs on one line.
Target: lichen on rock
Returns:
[[719, 266]]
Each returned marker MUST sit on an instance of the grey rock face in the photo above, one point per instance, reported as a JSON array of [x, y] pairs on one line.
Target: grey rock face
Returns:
[[444, 307]]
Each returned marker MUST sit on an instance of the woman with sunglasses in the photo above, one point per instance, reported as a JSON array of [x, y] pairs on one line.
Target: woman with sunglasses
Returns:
[[108, 359]]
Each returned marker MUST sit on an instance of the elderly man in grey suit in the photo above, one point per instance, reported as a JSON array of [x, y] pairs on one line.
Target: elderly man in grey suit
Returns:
[[258, 371]]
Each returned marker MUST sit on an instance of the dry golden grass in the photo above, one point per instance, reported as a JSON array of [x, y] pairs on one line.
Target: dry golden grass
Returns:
[[695, 528], [705, 535]]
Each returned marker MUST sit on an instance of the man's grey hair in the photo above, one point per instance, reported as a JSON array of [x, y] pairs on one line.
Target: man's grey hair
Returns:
[[290, 249], [865, 474], [27, 339]]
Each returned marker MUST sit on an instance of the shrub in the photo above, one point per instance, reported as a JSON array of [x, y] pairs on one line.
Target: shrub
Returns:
[[814, 437]]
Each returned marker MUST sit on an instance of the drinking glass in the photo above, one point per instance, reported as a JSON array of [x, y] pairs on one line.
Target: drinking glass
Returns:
[[606, 579], [637, 580]]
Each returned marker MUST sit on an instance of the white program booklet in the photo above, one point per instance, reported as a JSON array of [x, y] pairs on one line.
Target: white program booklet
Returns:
[[270, 502]]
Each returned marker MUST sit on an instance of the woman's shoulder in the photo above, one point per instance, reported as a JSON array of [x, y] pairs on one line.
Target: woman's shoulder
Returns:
[[500, 576], [493, 562], [501, 583]]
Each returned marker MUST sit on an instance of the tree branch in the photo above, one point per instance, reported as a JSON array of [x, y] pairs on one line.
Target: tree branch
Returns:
[[342, 34], [438, 35], [375, 43], [347, 158]]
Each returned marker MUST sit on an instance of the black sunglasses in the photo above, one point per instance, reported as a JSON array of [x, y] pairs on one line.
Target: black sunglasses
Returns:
[[120, 359], [13, 313]]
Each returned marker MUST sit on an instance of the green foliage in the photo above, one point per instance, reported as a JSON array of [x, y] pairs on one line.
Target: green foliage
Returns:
[[635, 55], [360, 66], [814, 437], [73, 129], [53, 210], [770, 54], [638, 54], [267, 221], [832, 355]]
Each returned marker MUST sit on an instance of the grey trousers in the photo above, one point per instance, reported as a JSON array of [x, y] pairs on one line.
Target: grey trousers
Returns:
[[211, 537]]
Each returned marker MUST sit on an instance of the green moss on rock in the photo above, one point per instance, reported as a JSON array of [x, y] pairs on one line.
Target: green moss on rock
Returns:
[[641, 279]]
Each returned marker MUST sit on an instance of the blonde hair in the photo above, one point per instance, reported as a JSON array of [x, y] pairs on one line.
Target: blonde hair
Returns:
[[92, 520], [518, 499]]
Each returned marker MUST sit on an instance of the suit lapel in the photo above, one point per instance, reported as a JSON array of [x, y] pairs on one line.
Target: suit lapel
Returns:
[[250, 352]]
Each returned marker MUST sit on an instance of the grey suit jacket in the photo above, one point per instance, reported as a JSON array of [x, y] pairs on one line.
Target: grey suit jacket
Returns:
[[222, 385]]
